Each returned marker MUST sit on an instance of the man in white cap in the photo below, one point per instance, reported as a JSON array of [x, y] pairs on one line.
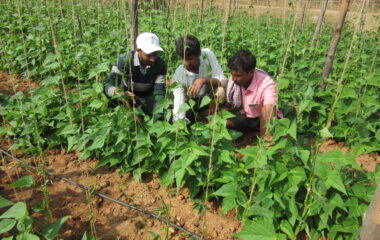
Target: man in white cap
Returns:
[[140, 74]]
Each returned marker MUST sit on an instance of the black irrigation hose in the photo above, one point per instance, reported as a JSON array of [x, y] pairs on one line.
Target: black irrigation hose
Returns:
[[107, 197]]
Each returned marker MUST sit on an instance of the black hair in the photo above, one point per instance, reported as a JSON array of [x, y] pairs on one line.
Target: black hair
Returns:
[[242, 59], [193, 47]]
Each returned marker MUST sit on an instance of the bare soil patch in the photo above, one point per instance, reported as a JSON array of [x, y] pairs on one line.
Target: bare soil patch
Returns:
[[10, 84], [111, 219], [367, 161]]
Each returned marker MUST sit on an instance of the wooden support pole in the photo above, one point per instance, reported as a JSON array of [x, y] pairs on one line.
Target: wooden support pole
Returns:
[[303, 13], [319, 23], [202, 3], [371, 222], [334, 43], [134, 22]]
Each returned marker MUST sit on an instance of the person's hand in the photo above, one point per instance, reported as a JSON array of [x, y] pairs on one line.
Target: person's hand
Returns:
[[220, 95], [195, 88], [269, 139], [131, 95]]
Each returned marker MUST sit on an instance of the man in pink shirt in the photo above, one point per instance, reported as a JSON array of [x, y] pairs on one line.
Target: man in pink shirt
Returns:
[[254, 91]]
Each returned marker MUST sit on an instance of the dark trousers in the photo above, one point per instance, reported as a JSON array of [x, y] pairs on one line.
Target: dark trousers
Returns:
[[245, 124], [146, 102]]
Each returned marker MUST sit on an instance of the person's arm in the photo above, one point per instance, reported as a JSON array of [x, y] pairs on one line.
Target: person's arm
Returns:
[[179, 99], [160, 83], [195, 88], [214, 70], [115, 77], [267, 112], [179, 94]]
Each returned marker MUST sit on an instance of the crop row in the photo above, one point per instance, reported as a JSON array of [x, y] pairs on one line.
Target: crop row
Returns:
[[278, 191]]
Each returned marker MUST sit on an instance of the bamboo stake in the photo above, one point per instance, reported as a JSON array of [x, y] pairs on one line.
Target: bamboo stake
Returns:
[[61, 9], [334, 43], [134, 22], [200, 22], [371, 223], [341, 80], [225, 23], [77, 72], [319, 23], [303, 13]]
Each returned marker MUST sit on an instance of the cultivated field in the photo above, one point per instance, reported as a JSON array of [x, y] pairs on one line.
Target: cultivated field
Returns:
[[204, 181]]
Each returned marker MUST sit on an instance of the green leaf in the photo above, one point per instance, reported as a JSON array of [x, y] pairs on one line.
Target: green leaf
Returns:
[[339, 160], [25, 181], [27, 236], [228, 204], [292, 210], [260, 230], [373, 79], [292, 131], [348, 93], [6, 225], [325, 133], [225, 157], [296, 176], [68, 130], [17, 211], [98, 142], [71, 141], [205, 100], [184, 108], [96, 104], [50, 231], [304, 155], [98, 87], [89, 237], [334, 180], [25, 224], [258, 210], [287, 229], [335, 201], [227, 190], [5, 202]]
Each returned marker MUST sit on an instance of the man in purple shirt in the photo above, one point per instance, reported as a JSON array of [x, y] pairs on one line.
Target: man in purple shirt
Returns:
[[254, 91]]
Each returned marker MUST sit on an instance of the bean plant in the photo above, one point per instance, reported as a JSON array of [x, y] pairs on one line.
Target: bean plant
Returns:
[[278, 191]]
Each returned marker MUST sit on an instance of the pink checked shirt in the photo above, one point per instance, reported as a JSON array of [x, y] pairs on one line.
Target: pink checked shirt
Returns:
[[261, 91]]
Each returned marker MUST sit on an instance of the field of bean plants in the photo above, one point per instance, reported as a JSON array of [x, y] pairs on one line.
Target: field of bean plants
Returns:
[[281, 191]]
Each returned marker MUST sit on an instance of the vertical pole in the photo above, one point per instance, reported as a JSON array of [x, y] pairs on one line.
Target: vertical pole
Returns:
[[303, 13], [371, 223], [61, 8], [202, 3], [334, 43], [134, 22], [319, 23]]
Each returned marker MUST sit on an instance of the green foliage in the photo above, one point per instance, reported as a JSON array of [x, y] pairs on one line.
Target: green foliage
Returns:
[[279, 191], [17, 217], [25, 181]]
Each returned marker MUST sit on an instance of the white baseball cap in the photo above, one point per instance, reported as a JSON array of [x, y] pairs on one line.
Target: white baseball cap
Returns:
[[148, 42]]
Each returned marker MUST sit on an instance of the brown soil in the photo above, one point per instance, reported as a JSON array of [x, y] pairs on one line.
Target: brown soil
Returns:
[[111, 219], [10, 84], [367, 161]]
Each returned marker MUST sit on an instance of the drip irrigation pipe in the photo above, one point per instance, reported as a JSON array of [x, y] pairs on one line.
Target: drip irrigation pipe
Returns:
[[96, 193]]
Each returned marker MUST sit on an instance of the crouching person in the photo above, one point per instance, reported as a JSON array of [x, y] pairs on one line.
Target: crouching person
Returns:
[[139, 75], [252, 90], [199, 75]]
